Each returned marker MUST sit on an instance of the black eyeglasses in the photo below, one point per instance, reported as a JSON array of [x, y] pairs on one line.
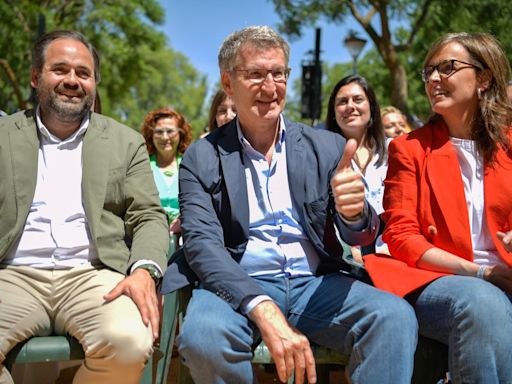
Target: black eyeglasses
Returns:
[[258, 76], [445, 68]]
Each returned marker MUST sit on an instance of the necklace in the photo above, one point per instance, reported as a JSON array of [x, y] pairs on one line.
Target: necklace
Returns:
[[171, 171]]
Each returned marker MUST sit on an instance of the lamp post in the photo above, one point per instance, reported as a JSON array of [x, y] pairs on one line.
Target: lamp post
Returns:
[[354, 45]]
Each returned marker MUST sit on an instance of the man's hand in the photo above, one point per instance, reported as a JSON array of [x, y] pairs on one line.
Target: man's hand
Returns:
[[506, 239], [140, 287], [347, 185], [175, 226], [288, 347]]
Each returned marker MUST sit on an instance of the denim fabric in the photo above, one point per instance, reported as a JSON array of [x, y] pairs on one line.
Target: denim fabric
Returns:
[[474, 318], [378, 329]]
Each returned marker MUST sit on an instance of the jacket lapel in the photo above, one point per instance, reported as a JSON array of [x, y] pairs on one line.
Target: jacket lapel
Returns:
[[444, 174], [96, 165], [234, 176], [295, 167], [24, 143]]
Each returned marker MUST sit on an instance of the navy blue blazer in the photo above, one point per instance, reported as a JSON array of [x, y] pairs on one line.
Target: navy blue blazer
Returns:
[[215, 212]]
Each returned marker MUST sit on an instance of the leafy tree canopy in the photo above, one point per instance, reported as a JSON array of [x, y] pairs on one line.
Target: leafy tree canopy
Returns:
[[403, 29], [139, 70]]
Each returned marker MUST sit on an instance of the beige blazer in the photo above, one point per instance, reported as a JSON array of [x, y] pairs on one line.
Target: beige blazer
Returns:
[[119, 195]]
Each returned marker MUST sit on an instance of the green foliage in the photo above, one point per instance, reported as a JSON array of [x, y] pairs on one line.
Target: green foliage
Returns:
[[491, 16], [139, 71]]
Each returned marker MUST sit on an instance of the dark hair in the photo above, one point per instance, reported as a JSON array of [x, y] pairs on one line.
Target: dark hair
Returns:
[[494, 114], [375, 137], [42, 43], [162, 113], [217, 100]]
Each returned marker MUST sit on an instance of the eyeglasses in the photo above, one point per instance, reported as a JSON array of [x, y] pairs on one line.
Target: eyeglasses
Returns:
[[258, 76], [444, 68], [171, 132]]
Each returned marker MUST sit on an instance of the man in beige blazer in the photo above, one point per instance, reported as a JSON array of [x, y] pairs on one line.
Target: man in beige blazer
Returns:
[[83, 238]]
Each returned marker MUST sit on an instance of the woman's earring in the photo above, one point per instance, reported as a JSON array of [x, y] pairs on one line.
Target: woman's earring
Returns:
[[479, 93]]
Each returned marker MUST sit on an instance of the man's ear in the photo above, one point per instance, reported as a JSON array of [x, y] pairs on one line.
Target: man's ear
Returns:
[[226, 83], [34, 78]]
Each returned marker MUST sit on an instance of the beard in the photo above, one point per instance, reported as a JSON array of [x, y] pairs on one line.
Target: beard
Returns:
[[68, 111]]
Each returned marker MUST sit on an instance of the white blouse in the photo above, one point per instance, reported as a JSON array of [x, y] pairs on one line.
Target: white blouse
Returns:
[[471, 167]]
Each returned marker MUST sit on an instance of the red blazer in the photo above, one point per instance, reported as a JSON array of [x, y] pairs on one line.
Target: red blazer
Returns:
[[425, 207]]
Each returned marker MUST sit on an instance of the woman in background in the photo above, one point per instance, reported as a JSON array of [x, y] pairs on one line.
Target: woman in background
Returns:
[[167, 136], [448, 204], [394, 122], [353, 112], [222, 111]]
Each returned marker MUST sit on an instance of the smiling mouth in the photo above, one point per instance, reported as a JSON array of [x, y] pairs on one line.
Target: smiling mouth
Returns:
[[437, 93]]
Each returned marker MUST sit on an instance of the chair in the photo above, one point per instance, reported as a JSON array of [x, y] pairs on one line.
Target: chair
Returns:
[[65, 348]]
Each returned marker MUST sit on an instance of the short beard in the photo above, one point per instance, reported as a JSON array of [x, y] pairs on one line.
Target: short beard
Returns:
[[66, 112]]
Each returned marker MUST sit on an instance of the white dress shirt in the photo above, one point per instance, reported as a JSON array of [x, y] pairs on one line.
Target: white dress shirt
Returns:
[[56, 234]]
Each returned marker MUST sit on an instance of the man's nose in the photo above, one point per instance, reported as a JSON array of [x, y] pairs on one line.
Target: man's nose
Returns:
[[71, 79]]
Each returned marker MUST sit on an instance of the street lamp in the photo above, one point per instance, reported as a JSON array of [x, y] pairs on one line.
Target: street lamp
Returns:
[[354, 45]]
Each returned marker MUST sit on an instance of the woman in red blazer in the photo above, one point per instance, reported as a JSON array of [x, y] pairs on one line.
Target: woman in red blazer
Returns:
[[448, 210]]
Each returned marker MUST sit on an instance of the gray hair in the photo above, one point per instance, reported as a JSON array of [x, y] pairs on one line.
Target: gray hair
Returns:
[[259, 37], [41, 45]]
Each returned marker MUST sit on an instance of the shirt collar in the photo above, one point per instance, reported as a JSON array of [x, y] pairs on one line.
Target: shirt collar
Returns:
[[77, 135], [245, 143]]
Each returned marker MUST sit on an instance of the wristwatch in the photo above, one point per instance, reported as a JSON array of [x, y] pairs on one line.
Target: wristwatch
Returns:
[[154, 272]]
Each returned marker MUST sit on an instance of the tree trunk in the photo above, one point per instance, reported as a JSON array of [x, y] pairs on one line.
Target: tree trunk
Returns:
[[399, 87]]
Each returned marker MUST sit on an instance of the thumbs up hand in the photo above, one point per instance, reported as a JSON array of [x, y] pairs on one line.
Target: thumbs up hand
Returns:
[[347, 185]]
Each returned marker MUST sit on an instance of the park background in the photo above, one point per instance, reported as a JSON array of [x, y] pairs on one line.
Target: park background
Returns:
[[164, 52]]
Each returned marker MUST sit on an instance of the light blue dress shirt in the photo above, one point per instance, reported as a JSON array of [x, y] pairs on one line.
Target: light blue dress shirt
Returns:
[[277, 243]]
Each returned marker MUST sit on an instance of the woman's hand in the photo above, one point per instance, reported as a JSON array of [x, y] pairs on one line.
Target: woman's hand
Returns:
[[506, 239], [500, 276]]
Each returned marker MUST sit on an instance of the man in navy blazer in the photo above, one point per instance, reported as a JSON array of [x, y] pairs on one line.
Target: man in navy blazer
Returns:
[[261, 201]]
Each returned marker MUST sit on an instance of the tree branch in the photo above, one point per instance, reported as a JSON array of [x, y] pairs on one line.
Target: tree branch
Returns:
[[416, 26], [12, 78]]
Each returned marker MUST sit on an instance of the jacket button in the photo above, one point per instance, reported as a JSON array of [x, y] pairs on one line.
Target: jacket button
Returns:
[[432, 230]]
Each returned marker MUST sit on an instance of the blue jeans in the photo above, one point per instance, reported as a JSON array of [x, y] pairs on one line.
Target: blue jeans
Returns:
[[474, 318], [378, 329]]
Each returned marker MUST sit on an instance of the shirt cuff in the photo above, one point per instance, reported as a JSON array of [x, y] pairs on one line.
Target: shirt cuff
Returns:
[[250, 302], [139, 263], [359, 224]]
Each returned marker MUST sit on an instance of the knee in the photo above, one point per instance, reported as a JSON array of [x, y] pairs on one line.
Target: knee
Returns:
[[201, 337], [396, 315], [483, 307], [127, 340], [210, 338]]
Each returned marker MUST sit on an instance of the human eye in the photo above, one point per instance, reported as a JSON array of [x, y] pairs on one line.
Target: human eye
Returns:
[[341, 101], [83, 73], [445, 67], [59, 70], [427, 71], [278, 74], [359, 99], [158, 132], [255, 74], [222, 111]]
